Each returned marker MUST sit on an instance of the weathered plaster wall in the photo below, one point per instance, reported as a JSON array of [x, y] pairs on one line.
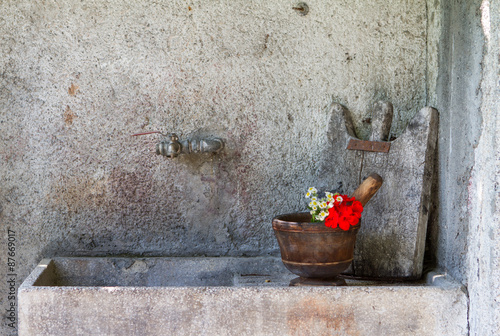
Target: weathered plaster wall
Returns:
[[469, 168], [484, 234], [434, 31], [459, 100], [78, 77]]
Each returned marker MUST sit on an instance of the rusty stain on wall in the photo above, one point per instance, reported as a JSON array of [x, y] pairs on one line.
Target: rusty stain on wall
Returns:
[[73, 89], [77, 193], [69, 116], [130, 186]]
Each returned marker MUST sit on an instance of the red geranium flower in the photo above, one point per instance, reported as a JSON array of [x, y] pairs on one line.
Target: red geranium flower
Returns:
[[344, 214], [332, 220]]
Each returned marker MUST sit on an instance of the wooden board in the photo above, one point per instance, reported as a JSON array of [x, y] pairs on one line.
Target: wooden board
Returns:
[[391, 241]]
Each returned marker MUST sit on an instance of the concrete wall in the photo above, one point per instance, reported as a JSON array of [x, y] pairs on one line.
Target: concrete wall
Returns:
[[459, 100], [466, 230], [483, 258], [77, 78]]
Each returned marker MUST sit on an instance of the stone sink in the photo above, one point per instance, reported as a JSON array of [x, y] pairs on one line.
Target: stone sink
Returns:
[[225, 296]]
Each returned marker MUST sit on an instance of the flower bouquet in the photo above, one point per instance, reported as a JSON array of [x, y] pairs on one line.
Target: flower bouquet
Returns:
[[335, 209]]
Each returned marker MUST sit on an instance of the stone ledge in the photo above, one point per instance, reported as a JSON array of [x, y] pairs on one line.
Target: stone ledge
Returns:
[[264, 306]]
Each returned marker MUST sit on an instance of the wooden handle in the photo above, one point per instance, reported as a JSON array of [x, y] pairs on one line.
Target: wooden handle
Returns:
[[368, 188]]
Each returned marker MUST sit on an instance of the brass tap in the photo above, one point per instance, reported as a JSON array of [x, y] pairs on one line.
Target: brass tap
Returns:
[[172, 147]]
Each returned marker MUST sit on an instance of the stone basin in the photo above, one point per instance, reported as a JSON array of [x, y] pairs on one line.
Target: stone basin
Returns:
[[226, 296]]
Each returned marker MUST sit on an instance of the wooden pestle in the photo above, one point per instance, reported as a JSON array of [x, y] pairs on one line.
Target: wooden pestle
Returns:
[[368, 188]]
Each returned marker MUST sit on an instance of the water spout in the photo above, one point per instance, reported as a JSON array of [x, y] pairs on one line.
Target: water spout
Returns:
[[172, 147]]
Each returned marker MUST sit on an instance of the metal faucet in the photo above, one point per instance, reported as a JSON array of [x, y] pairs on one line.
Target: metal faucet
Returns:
[[172, 147]]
